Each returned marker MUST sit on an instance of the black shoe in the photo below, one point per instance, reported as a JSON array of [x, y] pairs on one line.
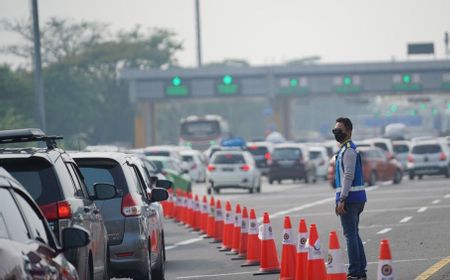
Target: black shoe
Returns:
[[353, 277]]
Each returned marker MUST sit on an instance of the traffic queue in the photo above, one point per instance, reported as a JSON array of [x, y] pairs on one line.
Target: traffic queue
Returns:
[[100, 213]]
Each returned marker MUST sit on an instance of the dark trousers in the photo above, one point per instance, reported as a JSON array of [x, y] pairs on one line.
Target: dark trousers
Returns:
[[355, 248]]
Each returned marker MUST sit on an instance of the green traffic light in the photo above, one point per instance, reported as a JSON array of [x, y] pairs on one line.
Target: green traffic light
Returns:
[[448, 106], [294, 82], [347, 80], [423, 106], [394, 108], [435, 111], [227, 79], [412, 112], [406, 79], [176, 81]]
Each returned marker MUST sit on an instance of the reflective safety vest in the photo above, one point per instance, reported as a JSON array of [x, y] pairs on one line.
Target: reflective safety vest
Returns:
[[357, 194]]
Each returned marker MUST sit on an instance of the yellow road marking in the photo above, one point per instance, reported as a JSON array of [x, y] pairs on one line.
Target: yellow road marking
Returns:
[[433, 269]]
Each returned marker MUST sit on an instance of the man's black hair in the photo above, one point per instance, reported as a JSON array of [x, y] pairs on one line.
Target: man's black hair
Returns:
[[346, 122]]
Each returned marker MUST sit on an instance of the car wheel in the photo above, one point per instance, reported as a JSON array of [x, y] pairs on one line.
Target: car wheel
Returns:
[[398, 176], [106, 267], [146, 275], [279, 181], [258, 189], [306, 178], [216, 190], [159, 270], [271, 181], [420, 177], [447, 172], [164, 245], [373, 178], [189, 188], [411, 176], [208, 191]]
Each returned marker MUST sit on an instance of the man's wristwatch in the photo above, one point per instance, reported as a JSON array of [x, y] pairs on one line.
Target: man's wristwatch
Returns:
[[342, 199]]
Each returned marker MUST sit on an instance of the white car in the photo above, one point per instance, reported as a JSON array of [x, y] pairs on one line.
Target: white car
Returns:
[[318, 155], [196, 163], [233, 169]]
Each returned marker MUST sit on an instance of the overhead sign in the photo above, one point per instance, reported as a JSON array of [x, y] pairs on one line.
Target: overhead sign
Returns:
[[177, 88], [227, 86], [422, 48], [293, 85], [347, 84]]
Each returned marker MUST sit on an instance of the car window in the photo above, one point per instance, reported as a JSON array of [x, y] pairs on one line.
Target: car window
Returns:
[[75, 181], [137, 180], [401, 148], [37, 176], [11, 221], [426, 149], [287, 153], [315, 154], [382, 146], [188, 158], [107, 172], [34, 220], [257, 151], [229, 159], [157, 153]]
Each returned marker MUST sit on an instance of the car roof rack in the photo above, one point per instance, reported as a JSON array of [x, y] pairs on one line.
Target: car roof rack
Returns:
[[28, 135]]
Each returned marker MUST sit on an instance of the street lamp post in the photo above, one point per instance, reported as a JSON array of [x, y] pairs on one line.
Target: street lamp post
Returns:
[[199, 43]]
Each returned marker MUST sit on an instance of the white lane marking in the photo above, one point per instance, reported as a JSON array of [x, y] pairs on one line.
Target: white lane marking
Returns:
[[436, 201], [422, 209], [447, 196], [405, 219], [386, 183], [215, 275], [185, 242], [308, 205], [383, 231]]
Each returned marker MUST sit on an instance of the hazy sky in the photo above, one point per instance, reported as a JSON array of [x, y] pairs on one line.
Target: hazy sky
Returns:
[[266, 31]]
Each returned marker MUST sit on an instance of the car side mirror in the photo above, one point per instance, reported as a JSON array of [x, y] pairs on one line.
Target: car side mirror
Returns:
[[164, 184], [104, 191], [74, 237], [158, 195]]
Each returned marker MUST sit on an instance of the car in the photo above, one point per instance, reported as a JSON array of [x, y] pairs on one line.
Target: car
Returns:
[[319, 156], [262, 153], [376, 167], [135, 240], [428, 157], [28, 247], [196, 164], [54, 181], [233, 169], [291, 161], [383, 143], [173, 152], [401, 150], [170, 168]]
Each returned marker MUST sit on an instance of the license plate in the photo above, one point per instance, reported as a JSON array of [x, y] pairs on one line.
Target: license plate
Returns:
[[287, 162], [228, 169]]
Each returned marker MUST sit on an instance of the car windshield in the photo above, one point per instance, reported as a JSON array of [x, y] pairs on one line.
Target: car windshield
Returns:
[[229, 159], [426, 149], [314, 154], [287, 153], [257, 151], [37, 176], [188, 158], [157, 153], [401, 148], [382, 146]]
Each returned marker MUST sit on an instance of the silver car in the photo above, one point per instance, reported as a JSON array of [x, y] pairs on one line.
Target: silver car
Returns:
[[135, 241], [233, 169], [428, 157]]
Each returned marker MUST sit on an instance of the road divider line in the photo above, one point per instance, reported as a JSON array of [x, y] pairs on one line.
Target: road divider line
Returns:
[[447, 196], [433, 269], [422, 209], [405, 219], [383, 231], [436, 201], [184, 242], [215, 275]]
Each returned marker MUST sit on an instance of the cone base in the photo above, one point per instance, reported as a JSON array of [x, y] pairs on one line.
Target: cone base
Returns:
[[224, 249], [266, 271], [338, 276], [291, 278], [238, 259], [255, 263], [215, 242]]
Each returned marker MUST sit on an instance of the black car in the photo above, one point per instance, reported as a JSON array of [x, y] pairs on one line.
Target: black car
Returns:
[[290, 161], [28, 248], [54, 181]]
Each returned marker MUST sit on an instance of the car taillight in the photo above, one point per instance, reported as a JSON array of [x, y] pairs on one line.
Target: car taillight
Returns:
[[129, 206], [57, 210], [211, 167], [442, 156], [267, 156], [245, 167], [410, 158]]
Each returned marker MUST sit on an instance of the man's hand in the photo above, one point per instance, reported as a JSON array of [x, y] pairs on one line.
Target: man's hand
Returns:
[[340, 208]]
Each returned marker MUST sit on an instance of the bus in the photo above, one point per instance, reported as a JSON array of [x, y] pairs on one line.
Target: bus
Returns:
[[200, 132]]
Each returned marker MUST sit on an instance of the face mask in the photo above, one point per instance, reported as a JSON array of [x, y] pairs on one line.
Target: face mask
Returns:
[[339, 135]]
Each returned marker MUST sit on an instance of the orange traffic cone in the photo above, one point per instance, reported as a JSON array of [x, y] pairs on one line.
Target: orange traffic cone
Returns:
[[385, 268], [316, 264], [176, 210], [227, 236], [301, 260], [191, 217], [288, 252], [253, 242], [244, 234], [204, 215], [185, 209], [211, 224], [197, 213], [269, 257], [236, 230], [335, 262], [219, 222]]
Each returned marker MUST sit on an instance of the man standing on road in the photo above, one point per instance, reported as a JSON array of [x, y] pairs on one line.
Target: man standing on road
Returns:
[[350, 196]]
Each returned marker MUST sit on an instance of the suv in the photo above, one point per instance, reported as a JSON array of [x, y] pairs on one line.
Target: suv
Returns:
[[52, 178], [28, 246], [428, 157], [135, 235], [291, 161]]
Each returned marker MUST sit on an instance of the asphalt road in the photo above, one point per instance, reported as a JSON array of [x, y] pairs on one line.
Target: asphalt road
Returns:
[[414, 216]]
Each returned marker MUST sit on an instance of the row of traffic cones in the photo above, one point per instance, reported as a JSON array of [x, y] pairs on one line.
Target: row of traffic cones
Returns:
[[302, 259]]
